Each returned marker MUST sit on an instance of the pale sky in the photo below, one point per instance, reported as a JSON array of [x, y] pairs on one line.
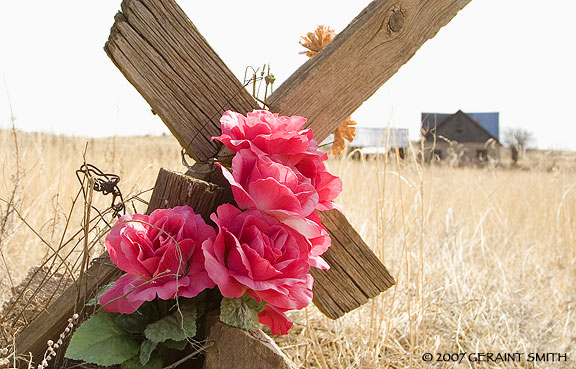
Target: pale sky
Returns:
[[516, 57]]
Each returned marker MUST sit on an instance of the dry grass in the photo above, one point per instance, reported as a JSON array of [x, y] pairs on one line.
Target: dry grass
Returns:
[[48, 184], [485, 262], [484, 258]]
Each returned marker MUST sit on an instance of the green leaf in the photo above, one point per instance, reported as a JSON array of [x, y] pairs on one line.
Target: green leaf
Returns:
[[252, 303], [146, 350], [175, 345], [132, 323], [95, 300], [134, 363], [100, 341], [240, 313], [177, 326]]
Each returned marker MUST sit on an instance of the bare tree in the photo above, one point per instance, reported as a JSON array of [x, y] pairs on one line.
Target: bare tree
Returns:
[[518, 139]]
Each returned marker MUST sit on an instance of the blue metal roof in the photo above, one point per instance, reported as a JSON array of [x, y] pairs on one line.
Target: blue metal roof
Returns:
[[488, 121]]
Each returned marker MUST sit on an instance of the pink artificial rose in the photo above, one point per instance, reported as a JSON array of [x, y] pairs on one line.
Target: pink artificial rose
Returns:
[[258, 182], [162, 256], [265, 131], [281, 139], [275, 189], [311, 166], [254, 253]]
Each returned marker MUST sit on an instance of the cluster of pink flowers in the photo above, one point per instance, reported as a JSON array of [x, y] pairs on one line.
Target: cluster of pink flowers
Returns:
[[264, 246]]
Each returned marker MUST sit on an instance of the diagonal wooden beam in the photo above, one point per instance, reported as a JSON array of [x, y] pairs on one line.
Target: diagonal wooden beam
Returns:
[[356, 274], [163, 55], [383, 37]]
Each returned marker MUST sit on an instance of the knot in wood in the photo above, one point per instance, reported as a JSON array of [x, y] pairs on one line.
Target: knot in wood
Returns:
[[396, 20]]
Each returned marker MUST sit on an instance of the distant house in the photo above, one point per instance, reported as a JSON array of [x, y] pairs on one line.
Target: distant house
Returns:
[[461, 137], [380, 141]]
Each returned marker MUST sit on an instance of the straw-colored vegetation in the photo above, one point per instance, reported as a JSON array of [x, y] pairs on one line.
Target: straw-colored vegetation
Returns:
[[484, 258]]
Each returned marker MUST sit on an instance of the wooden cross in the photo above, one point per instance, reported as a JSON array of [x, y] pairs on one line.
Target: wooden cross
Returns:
[[163, 55]]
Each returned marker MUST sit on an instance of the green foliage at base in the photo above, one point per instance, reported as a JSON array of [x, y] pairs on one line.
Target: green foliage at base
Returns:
[[240, 313], [177, 326], [99, 340], [135, 340], [146, 350]]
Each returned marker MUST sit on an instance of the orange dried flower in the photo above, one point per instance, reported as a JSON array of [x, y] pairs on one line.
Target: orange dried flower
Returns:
[[317, 40], [346, 131]]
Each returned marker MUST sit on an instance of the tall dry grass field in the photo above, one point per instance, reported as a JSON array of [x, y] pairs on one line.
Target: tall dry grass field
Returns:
[[38, 176], [484, 258]]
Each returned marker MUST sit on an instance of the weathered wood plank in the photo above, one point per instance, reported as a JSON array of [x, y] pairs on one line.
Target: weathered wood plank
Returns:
[[161, 53], [355, 275], [172, 189], [333, 84], [233, 348]]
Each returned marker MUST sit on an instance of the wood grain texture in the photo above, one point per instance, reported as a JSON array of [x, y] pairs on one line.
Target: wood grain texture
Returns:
[[163, 55], [355, 275], [172, 189], [333, 84], [234, 348]]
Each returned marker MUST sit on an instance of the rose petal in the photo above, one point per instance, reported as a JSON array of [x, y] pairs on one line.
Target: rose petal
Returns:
[[215, 262], [299, 295], [275, 319], [120, 298]]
